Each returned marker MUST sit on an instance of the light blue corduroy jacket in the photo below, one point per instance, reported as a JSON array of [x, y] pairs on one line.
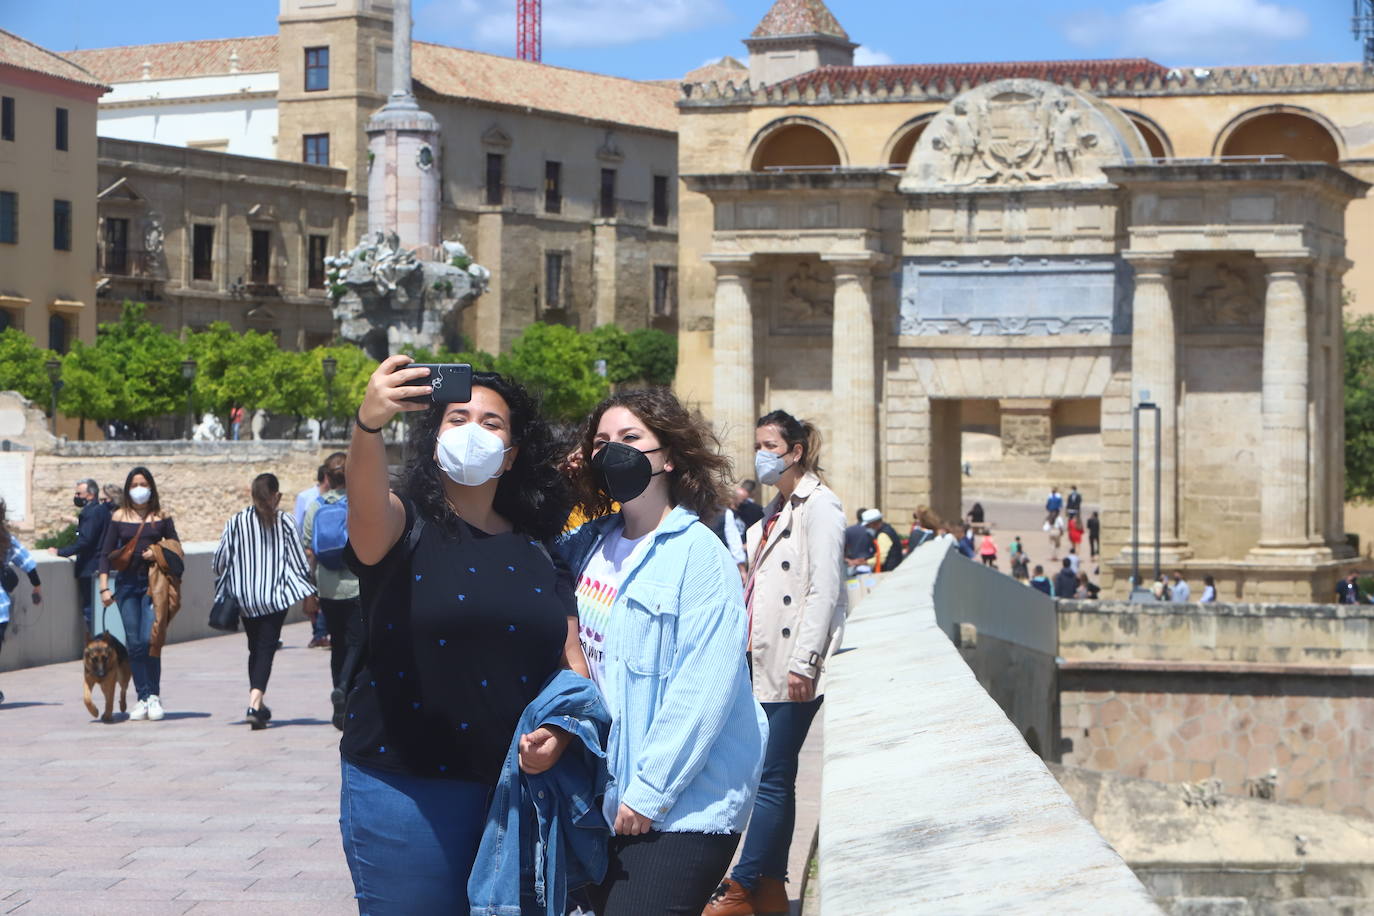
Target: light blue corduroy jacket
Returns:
[[687, 737]]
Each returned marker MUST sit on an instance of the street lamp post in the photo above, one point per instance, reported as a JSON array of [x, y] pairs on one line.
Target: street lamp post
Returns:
[[54, 368], [1138, 593], [188, 372], [330, 365]]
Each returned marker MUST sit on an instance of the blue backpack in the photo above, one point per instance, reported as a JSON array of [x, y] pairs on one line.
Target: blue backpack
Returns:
[[329, 536]]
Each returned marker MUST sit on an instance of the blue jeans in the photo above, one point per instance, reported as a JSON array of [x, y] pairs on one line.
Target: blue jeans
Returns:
[[775, 808], [319, 627], [410, 841], [136, 610]]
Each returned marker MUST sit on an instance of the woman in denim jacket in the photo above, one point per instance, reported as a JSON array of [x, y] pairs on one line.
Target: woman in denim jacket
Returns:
[[661, 619]]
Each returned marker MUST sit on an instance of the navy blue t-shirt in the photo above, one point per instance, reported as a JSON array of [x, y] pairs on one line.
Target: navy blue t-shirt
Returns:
[[462, 634]]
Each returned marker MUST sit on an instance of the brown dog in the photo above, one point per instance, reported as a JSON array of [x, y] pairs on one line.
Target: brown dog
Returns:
[[107, 661]]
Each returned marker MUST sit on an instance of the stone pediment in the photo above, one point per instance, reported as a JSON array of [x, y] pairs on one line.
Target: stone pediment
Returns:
[[1018, 133]]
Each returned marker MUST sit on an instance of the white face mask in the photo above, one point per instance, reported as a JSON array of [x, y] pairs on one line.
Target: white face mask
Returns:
[[769, 466], [470, 455], [140, 495]]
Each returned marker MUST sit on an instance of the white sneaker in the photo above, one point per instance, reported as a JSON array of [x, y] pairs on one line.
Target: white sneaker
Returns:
[[155, 708], [139, 712]]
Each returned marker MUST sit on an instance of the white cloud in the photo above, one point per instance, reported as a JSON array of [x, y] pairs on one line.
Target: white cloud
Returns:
[[1209, 29], [865, 56], [567, 23]]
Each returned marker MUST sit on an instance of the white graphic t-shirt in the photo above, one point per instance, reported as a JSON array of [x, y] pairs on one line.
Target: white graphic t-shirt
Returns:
[[597, 588]]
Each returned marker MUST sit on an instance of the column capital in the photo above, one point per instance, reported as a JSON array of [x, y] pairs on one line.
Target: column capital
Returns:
[[1152, 264], [730, 263], [1295, 262], [859, 264]]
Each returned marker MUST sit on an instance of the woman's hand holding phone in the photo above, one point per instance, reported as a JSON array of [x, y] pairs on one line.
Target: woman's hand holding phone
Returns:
[[388, 389]]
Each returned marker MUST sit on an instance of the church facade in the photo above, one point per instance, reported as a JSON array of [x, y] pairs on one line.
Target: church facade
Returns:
[[989, 269]]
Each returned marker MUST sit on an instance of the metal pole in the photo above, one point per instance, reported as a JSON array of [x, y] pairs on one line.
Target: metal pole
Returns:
[[1159, 477], [1135, 498]]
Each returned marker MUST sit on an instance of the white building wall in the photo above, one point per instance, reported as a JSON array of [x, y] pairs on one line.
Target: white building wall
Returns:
[[234, 113]]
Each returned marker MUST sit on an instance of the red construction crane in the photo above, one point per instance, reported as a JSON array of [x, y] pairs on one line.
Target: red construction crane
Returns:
[[529, 15]]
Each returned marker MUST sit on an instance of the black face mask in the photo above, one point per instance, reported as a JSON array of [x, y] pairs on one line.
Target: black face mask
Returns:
[[624, 471], [80, 501]]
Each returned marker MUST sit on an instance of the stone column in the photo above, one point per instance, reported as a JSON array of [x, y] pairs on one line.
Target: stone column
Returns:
[[853, 461], [1154, 368], [1334, 440], [735, 406], [1284, 470]]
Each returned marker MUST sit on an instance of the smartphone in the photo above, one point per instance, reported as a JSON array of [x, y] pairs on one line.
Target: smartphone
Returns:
[[452, 383]]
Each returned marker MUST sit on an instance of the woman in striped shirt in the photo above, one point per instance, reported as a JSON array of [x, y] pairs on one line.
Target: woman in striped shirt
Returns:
[[263, 568]]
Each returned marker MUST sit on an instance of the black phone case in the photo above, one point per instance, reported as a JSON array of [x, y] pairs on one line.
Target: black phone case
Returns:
[[452, 383]]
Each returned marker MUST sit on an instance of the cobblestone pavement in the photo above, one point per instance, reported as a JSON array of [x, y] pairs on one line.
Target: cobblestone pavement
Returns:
[[196, 813]]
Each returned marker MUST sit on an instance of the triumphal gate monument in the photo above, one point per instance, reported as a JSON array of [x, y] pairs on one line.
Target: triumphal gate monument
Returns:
[[1033, 264]]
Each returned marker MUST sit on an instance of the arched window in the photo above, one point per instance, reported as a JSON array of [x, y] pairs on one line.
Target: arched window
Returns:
[[905, 141], [1155, 139], [1290, 132], [794, 145], [57, 333]]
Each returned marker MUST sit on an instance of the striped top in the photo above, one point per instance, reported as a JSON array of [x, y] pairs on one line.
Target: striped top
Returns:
[[19, 557], [262, 567]]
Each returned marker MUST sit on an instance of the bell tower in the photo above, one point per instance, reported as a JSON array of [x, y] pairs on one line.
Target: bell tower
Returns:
[[796, 37]]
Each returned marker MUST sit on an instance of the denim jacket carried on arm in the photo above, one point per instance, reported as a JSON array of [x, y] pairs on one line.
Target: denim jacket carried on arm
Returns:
[[687, 737], [545, 834]]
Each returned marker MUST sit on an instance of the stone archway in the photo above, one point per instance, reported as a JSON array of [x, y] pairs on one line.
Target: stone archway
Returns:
[[795, 143], [1282, 130]]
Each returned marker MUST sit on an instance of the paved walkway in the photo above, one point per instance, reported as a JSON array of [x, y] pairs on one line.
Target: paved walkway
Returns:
[[196, 813]]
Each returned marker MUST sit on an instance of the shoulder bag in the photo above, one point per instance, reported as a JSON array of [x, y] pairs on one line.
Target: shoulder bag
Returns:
[[224, 613], [123, 556]]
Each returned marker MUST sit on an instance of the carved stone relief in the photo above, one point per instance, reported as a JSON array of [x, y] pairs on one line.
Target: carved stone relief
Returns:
[[1224, 295], [803, 297], [1015, 132]]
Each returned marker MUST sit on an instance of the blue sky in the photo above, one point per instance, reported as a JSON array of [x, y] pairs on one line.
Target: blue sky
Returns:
[[655, 39]]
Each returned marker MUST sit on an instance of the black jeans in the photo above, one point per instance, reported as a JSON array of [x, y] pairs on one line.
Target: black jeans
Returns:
[[668, 873], [344, 618], [263, 633]]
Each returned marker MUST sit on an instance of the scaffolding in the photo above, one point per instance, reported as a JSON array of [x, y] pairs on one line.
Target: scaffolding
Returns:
[[1362, 24], [528, 25]]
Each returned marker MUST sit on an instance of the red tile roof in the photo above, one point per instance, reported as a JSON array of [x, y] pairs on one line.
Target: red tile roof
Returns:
[[721, 71], [463, 74], [799, 17], [180, 59], [26, 55], [951, 75]]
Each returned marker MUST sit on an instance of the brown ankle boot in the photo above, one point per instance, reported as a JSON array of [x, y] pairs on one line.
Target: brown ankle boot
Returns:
[[730, 899], [770, 897]]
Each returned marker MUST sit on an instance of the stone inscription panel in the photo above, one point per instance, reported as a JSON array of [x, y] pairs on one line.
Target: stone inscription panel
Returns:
[[1015, 296]]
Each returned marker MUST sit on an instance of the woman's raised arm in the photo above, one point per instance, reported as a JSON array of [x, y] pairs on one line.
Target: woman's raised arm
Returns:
[[376, 517]]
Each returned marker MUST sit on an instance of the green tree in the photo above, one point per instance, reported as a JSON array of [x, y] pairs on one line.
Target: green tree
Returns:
[[354, 368], [132, 373], [557, 363], [22, 366], [654, 353], [1359, 409], [234, 369], [612, 344]]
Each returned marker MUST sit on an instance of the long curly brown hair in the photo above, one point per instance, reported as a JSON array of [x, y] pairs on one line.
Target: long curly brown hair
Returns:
[[700, 475]]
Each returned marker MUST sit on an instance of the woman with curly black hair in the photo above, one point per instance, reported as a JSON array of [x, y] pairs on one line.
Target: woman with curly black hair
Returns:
[[663, 627], [466, 617]]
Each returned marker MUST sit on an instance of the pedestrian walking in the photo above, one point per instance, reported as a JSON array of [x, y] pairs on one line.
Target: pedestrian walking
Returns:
[[1053, 505], [84, 552], [319, 625], [1054, 530], [1180, 591], [1066, 582], [467, 618], [263, 569], [325, 537], [1094, 536], [127, 558], [1209, 590], [1074, 503], [14, 556], [663, 628], [235, 421], [797, 603], [987, 550], [1074, 561]]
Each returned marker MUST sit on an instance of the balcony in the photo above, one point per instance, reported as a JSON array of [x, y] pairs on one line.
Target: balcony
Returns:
[[118, 261]]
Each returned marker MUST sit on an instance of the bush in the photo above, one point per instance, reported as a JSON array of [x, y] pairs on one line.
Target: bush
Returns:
[[63, 538]]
